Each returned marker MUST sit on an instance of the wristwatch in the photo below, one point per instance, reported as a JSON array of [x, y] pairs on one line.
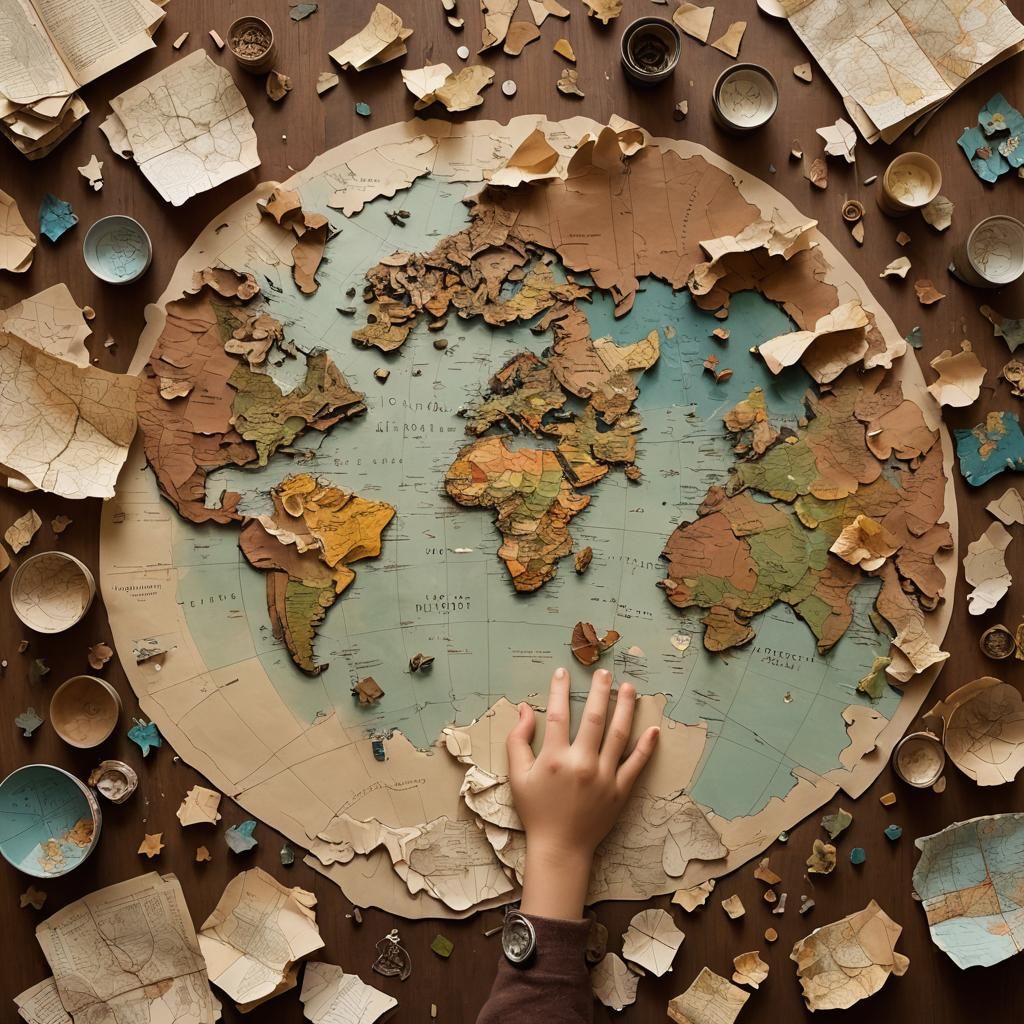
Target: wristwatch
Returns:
[[518, 939]]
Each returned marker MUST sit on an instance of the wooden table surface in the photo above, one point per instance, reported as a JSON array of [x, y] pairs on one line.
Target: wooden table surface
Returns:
[[290, 135]]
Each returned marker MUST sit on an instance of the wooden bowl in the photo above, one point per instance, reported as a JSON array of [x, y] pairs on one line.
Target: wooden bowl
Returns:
[[84, 711]]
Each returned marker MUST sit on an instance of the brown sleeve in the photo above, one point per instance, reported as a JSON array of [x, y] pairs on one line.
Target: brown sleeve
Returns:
[[554, 986]]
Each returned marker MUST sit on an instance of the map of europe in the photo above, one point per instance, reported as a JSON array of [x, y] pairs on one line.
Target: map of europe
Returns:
[[432, 426]]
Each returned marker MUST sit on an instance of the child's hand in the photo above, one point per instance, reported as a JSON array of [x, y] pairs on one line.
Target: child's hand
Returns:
[[571, 794]]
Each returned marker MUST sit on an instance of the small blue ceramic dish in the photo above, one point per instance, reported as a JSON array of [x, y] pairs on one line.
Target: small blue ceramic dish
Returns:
[[117, 249]]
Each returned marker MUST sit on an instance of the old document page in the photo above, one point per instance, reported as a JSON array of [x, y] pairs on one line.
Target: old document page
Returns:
[[29, 66], [129, 952]]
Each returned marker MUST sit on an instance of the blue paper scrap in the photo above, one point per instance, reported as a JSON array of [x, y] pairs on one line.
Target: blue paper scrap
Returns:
[[239, 837], [146, 735], [55, 217], [998, 144], [990, 448]]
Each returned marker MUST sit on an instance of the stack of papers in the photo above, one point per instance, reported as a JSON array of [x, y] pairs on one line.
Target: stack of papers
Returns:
[[51, 50], [893, 62]]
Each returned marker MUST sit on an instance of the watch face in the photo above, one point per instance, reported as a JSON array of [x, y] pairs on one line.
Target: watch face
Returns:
[[517, 938]]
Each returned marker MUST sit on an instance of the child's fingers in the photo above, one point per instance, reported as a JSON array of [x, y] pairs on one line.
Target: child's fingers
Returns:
[[631, 768], [595, 713], [556, 729], [517, 744], [618, 731]]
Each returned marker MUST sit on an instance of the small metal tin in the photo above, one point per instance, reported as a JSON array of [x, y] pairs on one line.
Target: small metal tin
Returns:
[[992, 254], [117, 249], [998, 643], [650, 50], [745, 98], [114, 780], [52, 591], [243, 34], [911, 181], [919, 759]]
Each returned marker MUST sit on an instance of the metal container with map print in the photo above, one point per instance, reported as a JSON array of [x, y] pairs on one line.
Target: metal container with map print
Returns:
[[117, 249], [650, 50], [52, 591], [750, 535], [744, 98], [84, 711], [911, 181], [49, 821], [992, 254]]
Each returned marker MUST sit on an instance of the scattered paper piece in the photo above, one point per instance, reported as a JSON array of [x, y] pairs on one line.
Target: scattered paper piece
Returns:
[[1011, 331], [587, 646], [749, 969], [541, 9], [848, 960], [199, 807], [568, 82], [146, 736], [28, 721], [603, 11], [497, 20], [55, 217], [995, 445], [422, 82], [278, 85], [217, 40], [90, 943], [380, 40], [311, 231], [21, 532], [17, 242], [983, 730], [652, 941], [938, 213], [822, 859], [240, 838], [614, 983], [902, 239], [1008, 509], [865, 543], [857, 232], [202, 854], [326, 80], [960, 377], [302, 10], [899, 267], [694, 897], [816, 173], [968, 879], [694, 21], [367, 690], [98, 655], [520, 34], [564, 49], [51, 321], [874, 684], [460, 90], [330, 996], [710, 999], [840, 140], [180, 41], [764, 873], [733, 906], [1013, 374], [804, 72], [32, 897], [206, 142], [985, 569], [927, 293], [256, 935], [151, 845], [729, 43], [836, 824]]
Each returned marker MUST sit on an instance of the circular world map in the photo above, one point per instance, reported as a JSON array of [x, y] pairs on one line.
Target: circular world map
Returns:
[[414, 415]]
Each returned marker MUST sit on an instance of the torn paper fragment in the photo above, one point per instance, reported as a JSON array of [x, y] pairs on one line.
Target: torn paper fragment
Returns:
[[729, 42], [694, 897], [460, 90], [63, 428], [652, 941], [983, 730], [927, 293], [520, 34], [749, 969], [733, 907], [17, 242], [199, 807], [694, 21], [534, 159], [710, 999], [614, 983], [899, 267], [330, 996], [188, 128], [938, 213], [51, 321], [256, 935], [995, 445], [822, 860], [1011, 331], [151, 845], [848, 960], [603, 11], [380, 40], [968, 878], [497, 20], [866, 543], [840, 140], [41, 1004], [93, 173], [960, 377], [985, 569], [146, 962], [1009, 509], [840, 333], [423, 81]]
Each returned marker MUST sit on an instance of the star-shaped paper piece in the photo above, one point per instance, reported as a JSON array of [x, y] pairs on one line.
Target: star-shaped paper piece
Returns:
[[750, 969], [652, 941], [199, 807], [152, 844], [240, 837], [145, 735], [32, 897], [840, 139], [985, 569], [710, 999], [694, 897], [28, 721], [614, 983], [960, 377]]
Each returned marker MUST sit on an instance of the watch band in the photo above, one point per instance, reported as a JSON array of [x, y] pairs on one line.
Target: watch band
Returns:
[[518, 938]]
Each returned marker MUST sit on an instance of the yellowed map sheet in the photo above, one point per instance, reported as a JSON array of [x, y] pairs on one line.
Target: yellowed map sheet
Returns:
[[894, 61], [51, 321]]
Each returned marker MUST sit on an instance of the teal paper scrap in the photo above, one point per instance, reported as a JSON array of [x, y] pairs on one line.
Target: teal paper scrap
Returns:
[[990, 448], [146, 735], [240, 837], [55, 217]]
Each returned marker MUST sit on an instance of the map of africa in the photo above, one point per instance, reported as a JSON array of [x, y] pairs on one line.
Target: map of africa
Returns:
[[382, 421]]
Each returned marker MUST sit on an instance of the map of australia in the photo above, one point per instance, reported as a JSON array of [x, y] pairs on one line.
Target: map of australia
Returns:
[[410, 454]]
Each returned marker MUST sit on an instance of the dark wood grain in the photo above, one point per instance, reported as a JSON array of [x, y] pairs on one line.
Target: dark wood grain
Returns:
[[290, 135]]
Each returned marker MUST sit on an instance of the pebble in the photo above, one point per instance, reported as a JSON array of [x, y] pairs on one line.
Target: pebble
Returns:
[[858, 855], [363, 109], [463, 52], [893, 832], [508, 87]]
